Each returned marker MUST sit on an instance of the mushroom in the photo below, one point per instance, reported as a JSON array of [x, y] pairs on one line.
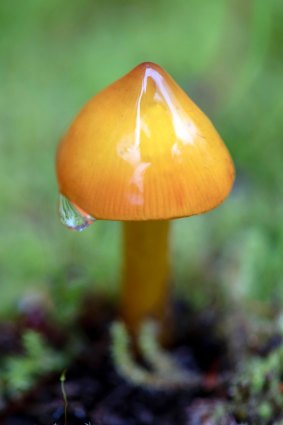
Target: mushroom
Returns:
[[140, 151]]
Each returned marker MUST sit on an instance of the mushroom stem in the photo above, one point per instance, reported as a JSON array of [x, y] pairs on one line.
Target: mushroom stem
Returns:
[[146, 271]]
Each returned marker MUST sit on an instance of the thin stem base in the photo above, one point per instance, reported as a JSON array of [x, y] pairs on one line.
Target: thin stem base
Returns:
[[146, 271]]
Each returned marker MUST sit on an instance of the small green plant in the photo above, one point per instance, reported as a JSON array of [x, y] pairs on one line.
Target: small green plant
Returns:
[[62, 380], [256, 390], [20, 372]]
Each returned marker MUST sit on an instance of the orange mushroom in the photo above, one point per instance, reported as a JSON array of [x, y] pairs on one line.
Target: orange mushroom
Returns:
[[142, 152]]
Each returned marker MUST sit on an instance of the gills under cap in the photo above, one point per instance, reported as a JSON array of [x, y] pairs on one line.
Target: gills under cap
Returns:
[[142, 150]]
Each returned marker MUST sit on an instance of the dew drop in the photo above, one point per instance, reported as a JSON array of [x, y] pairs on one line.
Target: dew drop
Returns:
[[72, 216]]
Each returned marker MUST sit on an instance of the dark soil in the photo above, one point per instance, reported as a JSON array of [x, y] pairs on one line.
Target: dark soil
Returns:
[[97, 395]]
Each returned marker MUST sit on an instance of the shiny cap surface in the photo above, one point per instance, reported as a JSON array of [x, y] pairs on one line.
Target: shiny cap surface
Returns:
[[142, 150]]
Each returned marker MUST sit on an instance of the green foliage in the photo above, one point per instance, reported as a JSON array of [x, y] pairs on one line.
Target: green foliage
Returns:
[[55, 55], [20, 372], [255, 391], [236, 250]]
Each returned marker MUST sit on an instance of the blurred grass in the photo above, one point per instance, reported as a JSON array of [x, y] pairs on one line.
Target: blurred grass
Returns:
[[226, 54]]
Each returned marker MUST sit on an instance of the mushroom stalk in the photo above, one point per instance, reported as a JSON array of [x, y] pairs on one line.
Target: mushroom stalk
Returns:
[[146, 271]]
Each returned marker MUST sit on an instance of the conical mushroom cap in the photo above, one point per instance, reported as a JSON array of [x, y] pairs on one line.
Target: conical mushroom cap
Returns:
[[142, 150]]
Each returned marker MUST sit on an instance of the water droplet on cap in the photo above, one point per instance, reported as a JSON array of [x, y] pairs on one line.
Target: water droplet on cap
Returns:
[[72, 216]]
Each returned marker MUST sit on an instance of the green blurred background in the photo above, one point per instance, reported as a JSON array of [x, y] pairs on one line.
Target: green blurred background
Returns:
[[56, 54]]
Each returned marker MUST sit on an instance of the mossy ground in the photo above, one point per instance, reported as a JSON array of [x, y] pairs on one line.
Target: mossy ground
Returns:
[[44, 366]]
